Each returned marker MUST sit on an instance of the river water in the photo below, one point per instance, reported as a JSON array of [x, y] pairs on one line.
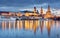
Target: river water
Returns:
[[30, 29]]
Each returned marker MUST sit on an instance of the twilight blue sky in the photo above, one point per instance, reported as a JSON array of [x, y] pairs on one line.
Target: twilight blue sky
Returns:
[[16, 5]]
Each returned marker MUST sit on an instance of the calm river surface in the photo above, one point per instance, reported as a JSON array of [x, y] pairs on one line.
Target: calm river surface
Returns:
[[30, 29]]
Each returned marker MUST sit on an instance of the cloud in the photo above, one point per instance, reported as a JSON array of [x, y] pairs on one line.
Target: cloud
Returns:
[[39, 5], [20, 3], [30, 7], [9, 8]]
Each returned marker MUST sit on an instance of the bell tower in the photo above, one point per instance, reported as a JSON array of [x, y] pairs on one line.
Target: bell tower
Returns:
[[34, 9], [41, 11]]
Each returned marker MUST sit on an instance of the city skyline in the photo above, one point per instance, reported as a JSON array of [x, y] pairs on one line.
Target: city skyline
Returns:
[[29, 18], [21, 5], [15, 5]]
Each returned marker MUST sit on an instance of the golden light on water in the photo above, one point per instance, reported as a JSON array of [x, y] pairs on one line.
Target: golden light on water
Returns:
[[31, 25], [28, 25], [3, 25]]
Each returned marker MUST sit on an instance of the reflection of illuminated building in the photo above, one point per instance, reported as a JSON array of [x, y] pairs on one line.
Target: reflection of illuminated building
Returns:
[[41, 26], [57, 24], [28, 24], [9, 25], [14, 25], [25, 24], [18, 25], [31, 24], [3, 25], [20, 22], [48, 26], [35, 25]]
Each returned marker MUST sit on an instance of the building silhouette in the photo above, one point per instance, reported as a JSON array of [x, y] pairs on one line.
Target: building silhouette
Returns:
[[41, 11], [34, 9]]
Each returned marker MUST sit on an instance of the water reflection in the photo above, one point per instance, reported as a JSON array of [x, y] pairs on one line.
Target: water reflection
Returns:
[[37, 26], [41, 26]]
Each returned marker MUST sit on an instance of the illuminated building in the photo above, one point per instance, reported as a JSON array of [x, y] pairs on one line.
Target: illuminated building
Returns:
[[28, 13], [41, 11], [31, 13], [4, 13], [34, 10], [12, 13], [48, 13], [18, 14]]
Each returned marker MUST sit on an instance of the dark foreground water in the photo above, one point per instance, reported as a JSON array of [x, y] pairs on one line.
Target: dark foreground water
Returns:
[[30, 29]]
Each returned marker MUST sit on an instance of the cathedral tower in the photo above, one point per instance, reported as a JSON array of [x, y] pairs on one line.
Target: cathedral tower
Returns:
[[34, 9], [41, 11], [48, 11]]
